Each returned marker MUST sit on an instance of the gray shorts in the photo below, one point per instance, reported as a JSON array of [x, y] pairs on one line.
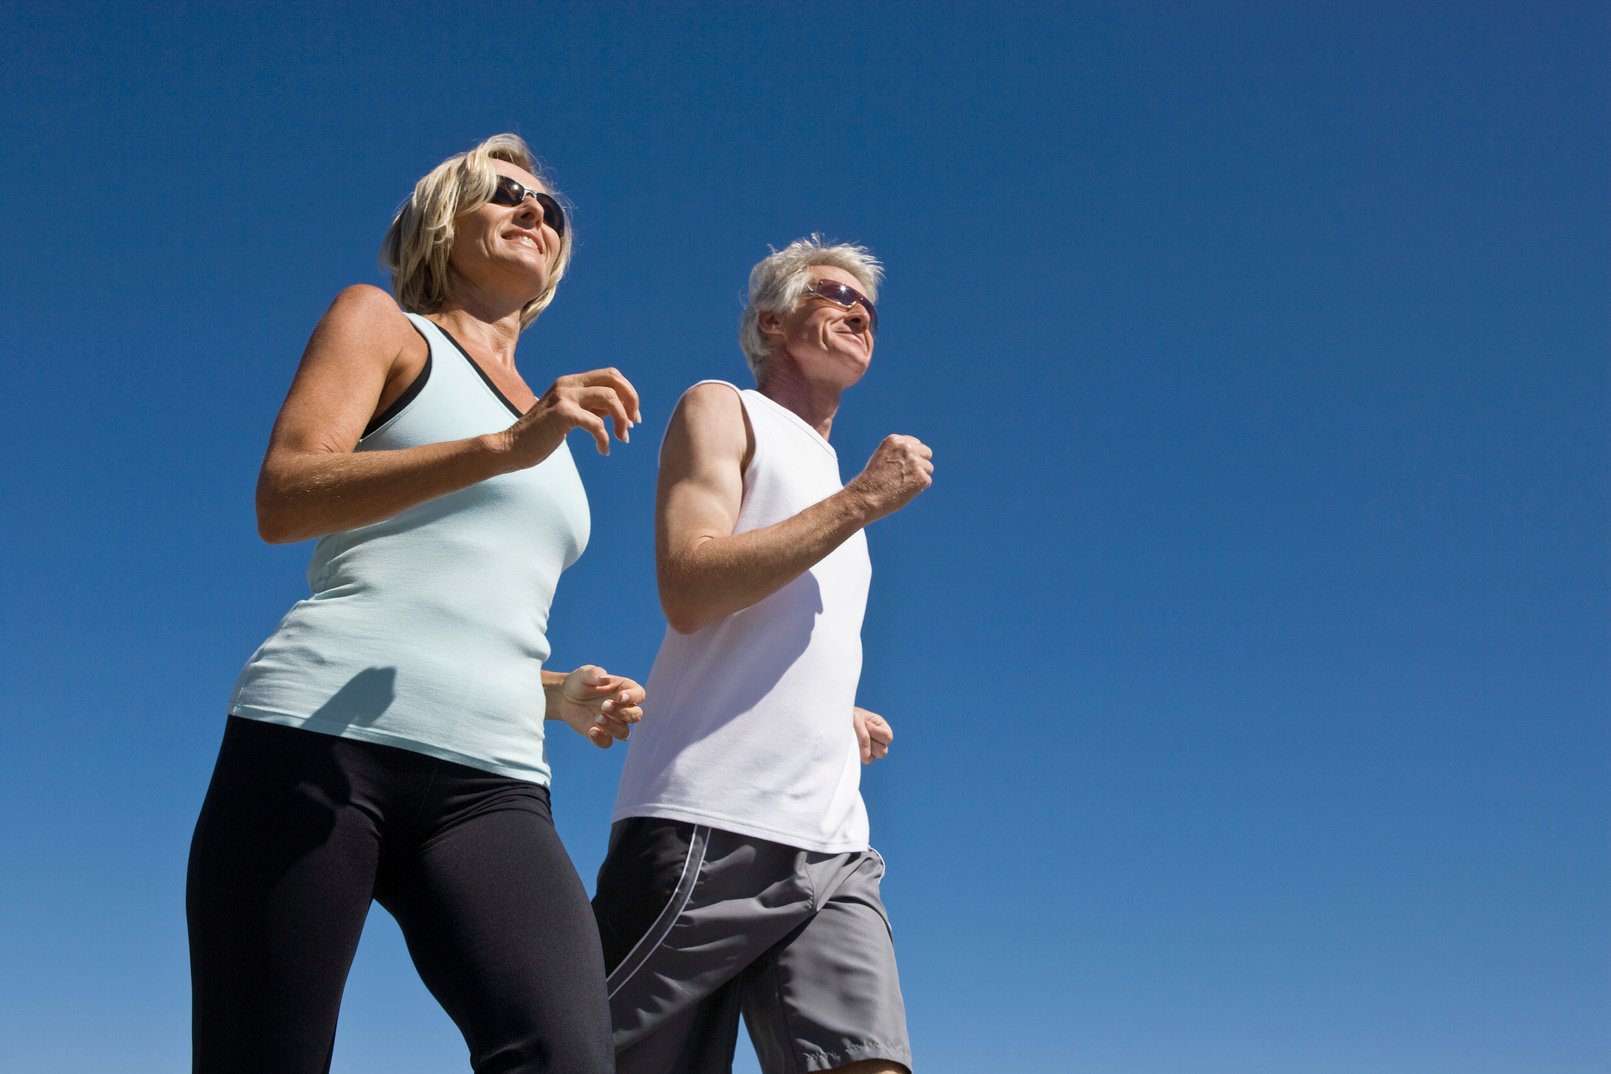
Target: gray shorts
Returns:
[[699, 924]]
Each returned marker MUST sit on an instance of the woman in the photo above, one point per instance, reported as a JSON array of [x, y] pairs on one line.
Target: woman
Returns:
[[386, 741]]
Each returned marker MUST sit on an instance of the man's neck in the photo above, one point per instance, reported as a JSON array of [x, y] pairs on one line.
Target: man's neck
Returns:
[[814, 403]]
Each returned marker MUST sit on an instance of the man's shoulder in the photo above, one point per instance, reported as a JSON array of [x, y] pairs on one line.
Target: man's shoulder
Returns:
[[711, 401], [721, 391], [709, 418]]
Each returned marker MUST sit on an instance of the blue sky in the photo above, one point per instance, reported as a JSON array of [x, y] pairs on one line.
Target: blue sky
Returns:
[[1248, 656]]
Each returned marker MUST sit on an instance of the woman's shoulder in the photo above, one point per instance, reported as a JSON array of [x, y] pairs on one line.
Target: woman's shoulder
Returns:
[[365, 325], [365, 301], [366, 312]]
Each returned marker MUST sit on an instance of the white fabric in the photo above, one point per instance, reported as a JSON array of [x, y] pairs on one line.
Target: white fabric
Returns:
[[427, 631], [748, 724]]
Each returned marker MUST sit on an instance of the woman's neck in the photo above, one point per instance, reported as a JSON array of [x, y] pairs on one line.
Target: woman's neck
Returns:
[[482, 330]]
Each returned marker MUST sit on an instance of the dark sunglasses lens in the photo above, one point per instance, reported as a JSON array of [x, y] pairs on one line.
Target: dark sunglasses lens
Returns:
[[846, 296], [507, 192], [551, 212]]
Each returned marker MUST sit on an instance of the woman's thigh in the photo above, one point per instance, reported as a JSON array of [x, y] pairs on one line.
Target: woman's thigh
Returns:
[[281, 874], [500, 929]]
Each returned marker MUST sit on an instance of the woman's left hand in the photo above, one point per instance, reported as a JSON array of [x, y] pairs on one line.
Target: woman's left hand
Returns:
[[601, 706]]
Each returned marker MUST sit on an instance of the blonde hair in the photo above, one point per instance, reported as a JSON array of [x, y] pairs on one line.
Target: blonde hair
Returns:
[[778, 281], [416, 247]]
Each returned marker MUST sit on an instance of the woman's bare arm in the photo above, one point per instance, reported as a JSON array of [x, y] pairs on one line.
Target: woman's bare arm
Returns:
[[314, 482]]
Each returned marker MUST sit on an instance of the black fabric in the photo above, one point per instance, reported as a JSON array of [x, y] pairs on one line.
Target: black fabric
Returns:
[[301, 830]]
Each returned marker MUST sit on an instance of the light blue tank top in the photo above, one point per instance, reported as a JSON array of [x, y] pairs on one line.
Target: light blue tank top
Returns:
[[427, 631]]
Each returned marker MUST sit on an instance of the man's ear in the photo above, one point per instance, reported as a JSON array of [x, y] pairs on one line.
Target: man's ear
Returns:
[[770, 322]]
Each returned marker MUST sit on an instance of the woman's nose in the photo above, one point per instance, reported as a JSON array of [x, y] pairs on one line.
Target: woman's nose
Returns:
[[530, 210]]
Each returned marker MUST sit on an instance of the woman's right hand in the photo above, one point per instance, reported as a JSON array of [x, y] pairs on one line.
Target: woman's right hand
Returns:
[[575, 401]]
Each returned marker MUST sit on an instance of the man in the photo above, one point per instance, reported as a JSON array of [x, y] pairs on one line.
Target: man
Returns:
[[739, 876]]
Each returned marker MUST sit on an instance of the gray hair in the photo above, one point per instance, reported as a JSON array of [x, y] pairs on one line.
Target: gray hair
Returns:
[[417, 244], [779, 280]]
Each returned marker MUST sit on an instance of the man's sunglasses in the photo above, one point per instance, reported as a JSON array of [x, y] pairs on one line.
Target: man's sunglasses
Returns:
[[508, 192], [845, 297]]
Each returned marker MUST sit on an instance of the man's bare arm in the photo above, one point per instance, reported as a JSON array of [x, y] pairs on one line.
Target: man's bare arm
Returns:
[[707, 571]]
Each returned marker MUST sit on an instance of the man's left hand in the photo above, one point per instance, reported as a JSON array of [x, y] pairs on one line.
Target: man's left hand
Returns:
[[873, 735]]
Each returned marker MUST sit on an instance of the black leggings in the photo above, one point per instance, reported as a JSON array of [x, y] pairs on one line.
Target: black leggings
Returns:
[[301, 830]]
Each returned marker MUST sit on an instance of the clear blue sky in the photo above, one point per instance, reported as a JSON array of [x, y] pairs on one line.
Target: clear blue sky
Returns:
[[1248, 658]]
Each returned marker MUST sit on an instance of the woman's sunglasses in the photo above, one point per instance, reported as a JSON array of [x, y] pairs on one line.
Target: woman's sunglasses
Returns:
[[508, 192], [845, 297]]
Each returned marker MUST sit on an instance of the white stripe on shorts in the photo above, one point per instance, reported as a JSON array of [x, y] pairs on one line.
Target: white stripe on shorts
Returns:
[[656, 935]]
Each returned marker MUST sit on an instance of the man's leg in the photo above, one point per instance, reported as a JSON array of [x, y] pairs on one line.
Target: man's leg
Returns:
[[683, 911], [699, 1039], [828, 997]]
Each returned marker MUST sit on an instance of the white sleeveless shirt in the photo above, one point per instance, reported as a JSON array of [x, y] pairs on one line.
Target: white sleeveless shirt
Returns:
[[748, 725], [428, 630]]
